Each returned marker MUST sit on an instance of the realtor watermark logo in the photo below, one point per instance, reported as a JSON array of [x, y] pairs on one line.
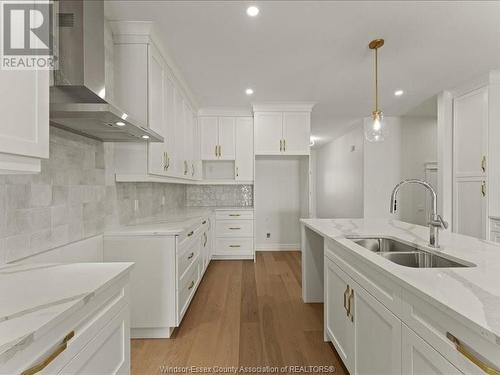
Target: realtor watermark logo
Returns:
[[27, 35]]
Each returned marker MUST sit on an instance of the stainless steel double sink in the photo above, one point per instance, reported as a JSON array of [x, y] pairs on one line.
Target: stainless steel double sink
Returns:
[[407, 255]]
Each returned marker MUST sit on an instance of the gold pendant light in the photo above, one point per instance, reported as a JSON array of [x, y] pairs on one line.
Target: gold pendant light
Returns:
[[375, 130]]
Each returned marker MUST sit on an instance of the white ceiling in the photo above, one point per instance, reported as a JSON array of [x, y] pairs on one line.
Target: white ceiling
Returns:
[[317, 51]]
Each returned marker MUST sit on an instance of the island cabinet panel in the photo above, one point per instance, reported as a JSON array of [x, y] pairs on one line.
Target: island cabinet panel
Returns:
[[357, 323], [419, 357]]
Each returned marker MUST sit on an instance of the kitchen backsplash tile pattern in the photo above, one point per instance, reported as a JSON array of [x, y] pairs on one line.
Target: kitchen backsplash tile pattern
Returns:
[[219, 195], [74, 197]]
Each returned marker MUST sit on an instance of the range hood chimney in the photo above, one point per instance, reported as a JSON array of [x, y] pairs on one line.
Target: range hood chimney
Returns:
[[78, 100]]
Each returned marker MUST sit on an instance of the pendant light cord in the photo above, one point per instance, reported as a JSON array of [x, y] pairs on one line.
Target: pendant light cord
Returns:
[[376, 79]]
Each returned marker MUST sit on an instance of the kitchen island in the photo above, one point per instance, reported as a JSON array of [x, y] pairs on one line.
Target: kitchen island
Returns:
[[400, 319]]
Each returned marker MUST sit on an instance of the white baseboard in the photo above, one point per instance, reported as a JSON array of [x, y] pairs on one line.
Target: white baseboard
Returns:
[[278, 247]]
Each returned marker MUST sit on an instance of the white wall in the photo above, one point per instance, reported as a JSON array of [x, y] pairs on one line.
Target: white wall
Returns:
[[339, 176], [382, 170], [278, 202], [419, 146]]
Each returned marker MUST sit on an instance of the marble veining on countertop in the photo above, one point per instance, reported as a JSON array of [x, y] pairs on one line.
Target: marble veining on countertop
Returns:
[[472, 294], [36, 297], [173, 223]]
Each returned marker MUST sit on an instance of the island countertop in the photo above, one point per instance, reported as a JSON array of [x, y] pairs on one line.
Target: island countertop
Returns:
[[470, 294], [34, 298]]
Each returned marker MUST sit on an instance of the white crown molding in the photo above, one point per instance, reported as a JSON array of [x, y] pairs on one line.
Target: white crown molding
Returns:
[[283, 107], [225, 111], [145, 32]]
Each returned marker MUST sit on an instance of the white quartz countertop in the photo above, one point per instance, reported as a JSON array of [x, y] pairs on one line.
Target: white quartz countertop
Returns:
[[470, 295], [36, 297], [174, 223]]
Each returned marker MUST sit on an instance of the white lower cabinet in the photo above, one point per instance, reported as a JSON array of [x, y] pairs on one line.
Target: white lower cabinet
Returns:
[[168, 269], [377, 328], [357, 324], [419, 358], [234, 234]]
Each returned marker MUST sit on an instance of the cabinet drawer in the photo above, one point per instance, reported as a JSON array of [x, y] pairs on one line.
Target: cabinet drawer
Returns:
[[187, 257], [495, 225], [234, 228], [229, 246], [234, 215], [187, 287], [435, 327], [194, 231]]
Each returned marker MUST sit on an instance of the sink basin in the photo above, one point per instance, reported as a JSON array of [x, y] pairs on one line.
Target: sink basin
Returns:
[[407, 255], [379, 244]]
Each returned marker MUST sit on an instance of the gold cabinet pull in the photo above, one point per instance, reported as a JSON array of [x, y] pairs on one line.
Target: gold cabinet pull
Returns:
[[234, 215], [235, 228], [463, 350], [205, 238], [192, 169], [483, 188], [234, 245], [203, 222], [60, 348], [191, 285], [190, 233], [284, 144], [220, 151], [483, 164], [216, 148], [237, 172], [351, 305], [190, 256], [345, 300], [281, 145]]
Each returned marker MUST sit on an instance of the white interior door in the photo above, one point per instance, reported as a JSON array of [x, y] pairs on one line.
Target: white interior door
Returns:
[[244, 149], [227, 134], [268, 133], [209, 137], [420, 358], [296, 133]]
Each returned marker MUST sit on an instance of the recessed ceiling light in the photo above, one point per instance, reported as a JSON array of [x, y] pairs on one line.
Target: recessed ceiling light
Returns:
[[145, 136], [398, 92], [124, 116], [252, 11], [120, 123], [249, 91]]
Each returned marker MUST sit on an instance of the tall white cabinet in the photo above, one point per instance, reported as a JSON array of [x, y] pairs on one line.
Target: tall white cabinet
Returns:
[[147, 88], [24, 130]]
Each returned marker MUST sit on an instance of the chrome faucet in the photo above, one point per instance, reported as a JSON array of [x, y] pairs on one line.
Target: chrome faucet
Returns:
[[436, 221]]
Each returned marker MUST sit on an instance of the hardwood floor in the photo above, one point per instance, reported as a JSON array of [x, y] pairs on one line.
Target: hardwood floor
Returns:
[[244, 314]]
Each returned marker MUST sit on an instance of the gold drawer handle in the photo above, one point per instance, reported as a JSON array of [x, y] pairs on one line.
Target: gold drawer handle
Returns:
[[461, 348], [203, 222], [190, 256], [60, 348], [483, 164], [234, 245], [191, 285], [190, 233], [483, 188], [345, 299], [235, 228], [351, 304], [234, 215]]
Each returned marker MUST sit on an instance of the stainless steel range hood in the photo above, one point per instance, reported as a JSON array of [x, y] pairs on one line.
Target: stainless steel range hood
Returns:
[[78, 100]]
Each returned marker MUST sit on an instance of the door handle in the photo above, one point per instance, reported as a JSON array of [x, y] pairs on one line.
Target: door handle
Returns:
[[351, 305], [471, 357], [345, 300]]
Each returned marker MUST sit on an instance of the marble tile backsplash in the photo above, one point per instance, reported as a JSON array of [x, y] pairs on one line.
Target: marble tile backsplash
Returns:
[[219, 195], [74, 197]]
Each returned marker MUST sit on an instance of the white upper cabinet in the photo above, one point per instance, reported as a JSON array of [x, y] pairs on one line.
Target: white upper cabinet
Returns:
[[24, 129], [296, 133], [170, 157], [284, 131], [209, 127], [244, 149], [218, 137], [268, 133], [180, 118]]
